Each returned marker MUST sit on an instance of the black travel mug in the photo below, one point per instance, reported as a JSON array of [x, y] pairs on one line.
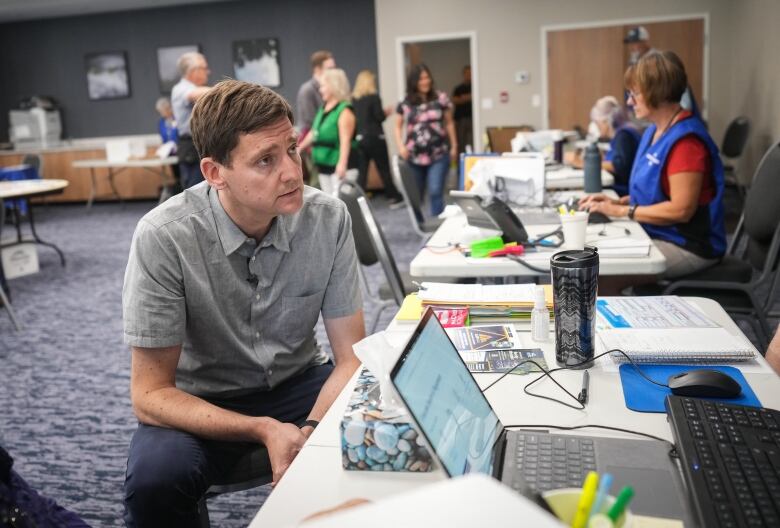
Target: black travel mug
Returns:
[[575, 280]]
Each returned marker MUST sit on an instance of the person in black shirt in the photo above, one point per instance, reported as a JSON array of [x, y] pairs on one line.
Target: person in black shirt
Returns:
[[370, 135], [461, 97]]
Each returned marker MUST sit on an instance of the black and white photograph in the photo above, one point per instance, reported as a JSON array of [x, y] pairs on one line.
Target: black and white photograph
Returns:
[[167, 72], [257, 61], [107, 76]]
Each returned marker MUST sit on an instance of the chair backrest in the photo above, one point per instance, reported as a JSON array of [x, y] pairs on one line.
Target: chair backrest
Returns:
[[736, 137], [35, 161], [383, 252], [500, 138], [403, 178], [349, 193], [762, 210]]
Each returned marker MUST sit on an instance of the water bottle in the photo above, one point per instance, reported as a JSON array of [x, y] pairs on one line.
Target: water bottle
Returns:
[[592, 164], [575, 281]]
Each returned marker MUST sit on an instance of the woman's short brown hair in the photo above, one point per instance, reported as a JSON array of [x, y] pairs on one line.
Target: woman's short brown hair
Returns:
[[232, 108], [659, 76]]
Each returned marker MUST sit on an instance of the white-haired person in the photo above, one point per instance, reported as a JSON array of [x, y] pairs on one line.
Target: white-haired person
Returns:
[[332, 133], [613, 123], [194, 72]]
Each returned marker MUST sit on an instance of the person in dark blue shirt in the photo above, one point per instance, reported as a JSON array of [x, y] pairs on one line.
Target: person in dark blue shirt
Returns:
[[167, 125], [613, 123]]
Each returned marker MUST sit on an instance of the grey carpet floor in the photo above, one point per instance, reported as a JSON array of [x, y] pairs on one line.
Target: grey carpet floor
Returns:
[[65, 413]]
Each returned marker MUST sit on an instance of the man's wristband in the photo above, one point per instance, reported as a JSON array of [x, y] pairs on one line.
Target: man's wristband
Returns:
[[631, 211], [311, 423]]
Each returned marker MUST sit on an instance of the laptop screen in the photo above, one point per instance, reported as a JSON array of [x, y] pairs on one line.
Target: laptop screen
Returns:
[[446, 402]]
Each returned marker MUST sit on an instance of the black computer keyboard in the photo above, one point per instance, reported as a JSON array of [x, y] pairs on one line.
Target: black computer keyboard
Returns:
[[731, 459]]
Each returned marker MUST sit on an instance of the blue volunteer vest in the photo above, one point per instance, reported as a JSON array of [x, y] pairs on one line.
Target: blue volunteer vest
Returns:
[[705, 233]]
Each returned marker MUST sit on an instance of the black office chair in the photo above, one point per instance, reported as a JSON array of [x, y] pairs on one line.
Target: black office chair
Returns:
[[372, 248], [403, 178], [756, 246], [251, 471], [734, 141]]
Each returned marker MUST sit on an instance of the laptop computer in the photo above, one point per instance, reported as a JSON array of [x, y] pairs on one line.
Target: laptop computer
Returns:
[[465, 435]]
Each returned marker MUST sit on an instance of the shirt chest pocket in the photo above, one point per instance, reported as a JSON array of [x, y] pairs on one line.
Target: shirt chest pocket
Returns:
[[299, 316]]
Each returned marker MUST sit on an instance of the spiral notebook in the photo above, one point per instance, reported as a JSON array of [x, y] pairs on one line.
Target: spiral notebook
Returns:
[[677, 345]]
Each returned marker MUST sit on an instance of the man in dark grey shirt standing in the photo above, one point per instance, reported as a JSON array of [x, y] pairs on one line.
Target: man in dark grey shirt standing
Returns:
[[223, 288], [309, 101]]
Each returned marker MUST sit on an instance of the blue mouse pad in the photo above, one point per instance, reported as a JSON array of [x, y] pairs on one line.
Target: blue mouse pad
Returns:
[[643, 396]]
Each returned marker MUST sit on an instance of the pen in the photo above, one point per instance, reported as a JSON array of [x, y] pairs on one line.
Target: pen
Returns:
[[586, 500], [583, 397], [604, 483], [621, 502]]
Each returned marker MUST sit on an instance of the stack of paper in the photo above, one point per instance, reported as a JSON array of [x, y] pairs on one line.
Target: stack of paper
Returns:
[[622, 247], [486, 303]]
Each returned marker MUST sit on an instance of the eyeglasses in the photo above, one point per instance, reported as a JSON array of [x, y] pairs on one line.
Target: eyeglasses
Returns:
[[632, 95]]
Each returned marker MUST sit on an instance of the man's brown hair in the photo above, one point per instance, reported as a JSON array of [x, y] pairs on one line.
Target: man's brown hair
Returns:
[[659, 76], [319, 57], [230, 109]]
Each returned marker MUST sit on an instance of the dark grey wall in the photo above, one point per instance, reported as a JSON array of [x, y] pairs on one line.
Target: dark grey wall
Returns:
[[46, 57]]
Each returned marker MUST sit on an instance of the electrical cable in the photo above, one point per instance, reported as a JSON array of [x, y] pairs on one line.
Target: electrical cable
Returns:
[[521, 260], [548, 373]]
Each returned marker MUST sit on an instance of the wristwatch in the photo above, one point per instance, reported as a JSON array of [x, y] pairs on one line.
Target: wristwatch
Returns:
[[311, 423], [631, 211]]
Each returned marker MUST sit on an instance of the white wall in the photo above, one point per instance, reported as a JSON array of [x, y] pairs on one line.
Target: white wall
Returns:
[[509, 39], [755, 77]]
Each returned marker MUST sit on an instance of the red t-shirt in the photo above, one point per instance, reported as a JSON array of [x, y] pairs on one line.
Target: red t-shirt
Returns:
[[690, 154]]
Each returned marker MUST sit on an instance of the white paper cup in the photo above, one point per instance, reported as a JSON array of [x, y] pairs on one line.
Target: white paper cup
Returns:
[[574, 228]]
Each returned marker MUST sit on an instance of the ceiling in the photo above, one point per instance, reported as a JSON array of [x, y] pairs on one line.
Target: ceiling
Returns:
[[19, 10]]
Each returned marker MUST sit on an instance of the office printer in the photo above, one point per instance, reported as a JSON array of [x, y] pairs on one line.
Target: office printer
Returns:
[[35, 124]]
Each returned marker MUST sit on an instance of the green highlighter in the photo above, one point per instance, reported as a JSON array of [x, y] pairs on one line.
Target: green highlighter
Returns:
[[481, 248], [623, 498]]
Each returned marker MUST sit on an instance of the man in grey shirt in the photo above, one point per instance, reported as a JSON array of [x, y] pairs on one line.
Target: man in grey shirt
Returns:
[[309, 101], [223, 288], [192, 86]]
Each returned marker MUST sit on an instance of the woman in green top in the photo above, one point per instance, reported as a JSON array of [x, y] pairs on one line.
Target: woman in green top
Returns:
[[332, 132]]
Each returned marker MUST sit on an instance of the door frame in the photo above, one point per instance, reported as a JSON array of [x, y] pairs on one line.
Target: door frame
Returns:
[[472, 38], [623, 22]]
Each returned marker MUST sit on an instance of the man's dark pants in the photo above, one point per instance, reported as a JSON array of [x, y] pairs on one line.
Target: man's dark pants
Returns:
[[169, 471]]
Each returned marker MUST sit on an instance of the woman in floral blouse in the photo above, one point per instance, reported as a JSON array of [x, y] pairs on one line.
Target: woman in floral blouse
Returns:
[[430, 142]]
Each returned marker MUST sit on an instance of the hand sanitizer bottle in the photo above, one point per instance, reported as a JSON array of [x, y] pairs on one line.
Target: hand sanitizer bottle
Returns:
[[540, 317]]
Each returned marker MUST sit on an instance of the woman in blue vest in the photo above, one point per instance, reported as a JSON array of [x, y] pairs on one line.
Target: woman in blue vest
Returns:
[[676, 187], [333, 132], [613, 123]]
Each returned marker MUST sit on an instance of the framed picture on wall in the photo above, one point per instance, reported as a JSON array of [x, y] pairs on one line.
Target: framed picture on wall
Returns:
[[107, 76], [167, 72], [257, 61]]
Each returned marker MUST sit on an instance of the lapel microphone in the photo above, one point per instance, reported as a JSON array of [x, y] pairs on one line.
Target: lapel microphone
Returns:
[[252, 278]]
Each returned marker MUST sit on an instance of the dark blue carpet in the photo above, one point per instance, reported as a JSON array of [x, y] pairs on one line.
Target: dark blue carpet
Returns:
[[65, 410]]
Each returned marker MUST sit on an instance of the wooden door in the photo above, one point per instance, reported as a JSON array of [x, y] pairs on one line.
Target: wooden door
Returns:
[[586, 64]]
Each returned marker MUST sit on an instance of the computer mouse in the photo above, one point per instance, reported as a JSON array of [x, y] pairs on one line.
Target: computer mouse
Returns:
[[704, 383], [598, 218]]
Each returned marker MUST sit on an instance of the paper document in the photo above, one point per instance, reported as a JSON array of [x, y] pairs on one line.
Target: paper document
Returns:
[[460, 294], [484, 338], [666, 311], [503, 360], [676, 345]]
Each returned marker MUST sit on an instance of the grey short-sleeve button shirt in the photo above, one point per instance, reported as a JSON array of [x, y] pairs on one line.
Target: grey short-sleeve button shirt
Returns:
[[243, 310]]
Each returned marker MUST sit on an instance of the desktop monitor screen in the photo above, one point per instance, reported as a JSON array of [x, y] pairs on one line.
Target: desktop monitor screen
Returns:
[[446, 401]]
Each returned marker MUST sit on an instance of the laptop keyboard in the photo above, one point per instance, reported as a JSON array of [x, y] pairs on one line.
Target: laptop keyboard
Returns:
[[548, 461]]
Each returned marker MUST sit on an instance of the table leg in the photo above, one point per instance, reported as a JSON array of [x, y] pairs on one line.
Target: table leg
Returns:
[[93, 190], [111, 183], [35, 234], [3, 283]]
